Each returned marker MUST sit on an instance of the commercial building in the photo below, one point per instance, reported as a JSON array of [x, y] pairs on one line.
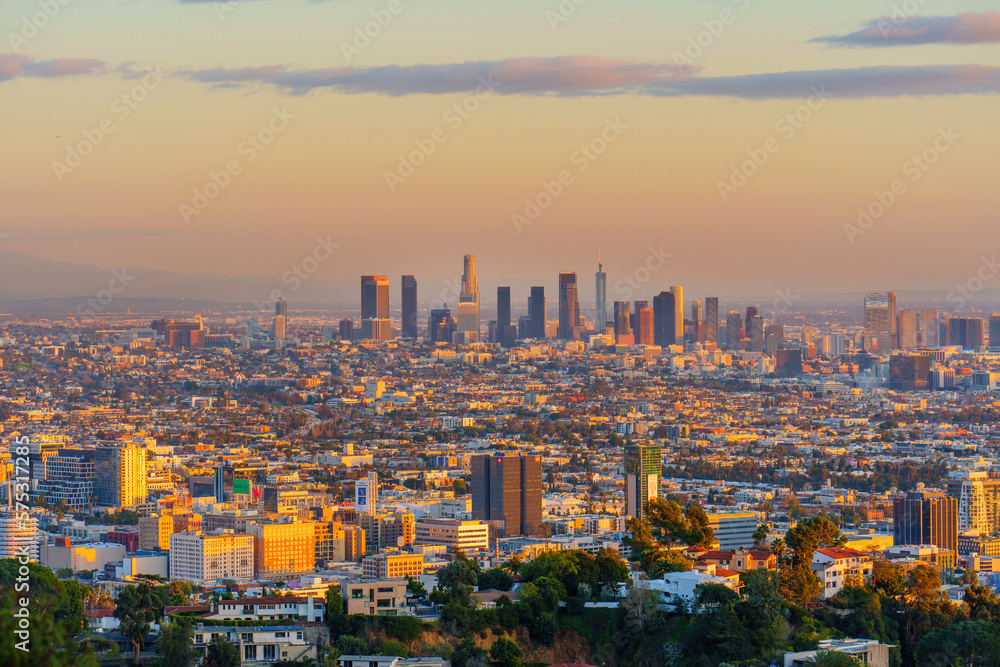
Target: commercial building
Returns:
[[507, 490], [409, 301], [91, 556], [283, 549], [880, 322], [375, 323], [17, 533], [120, 475], [925, 517], [198, 557], [455, 534], [733, 530], [155, 531], [388, 564], [643, 468]]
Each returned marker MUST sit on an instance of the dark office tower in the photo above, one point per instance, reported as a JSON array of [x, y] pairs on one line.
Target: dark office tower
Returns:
[[755, 332], [601, 296], [346, 329], [536, 311], [643, 468], [634, 320], [664, 320], [375, 323], [503, 307], [281, 309], [969, 332], [880, 322], [646, 333], [409, 301], [909, 372], [774, 338], [623, 324], [508, 490], [751, 312], [712, 319], [787, 363], [569, 305], [440, 325], [926, 517], [994, 332], [734, 325]]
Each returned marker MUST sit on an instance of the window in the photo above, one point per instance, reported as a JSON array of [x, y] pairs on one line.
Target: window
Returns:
[[385, 590], [247, 637], [357, 593], [280, 635], [250, 652], [270, 652], [384, 602]]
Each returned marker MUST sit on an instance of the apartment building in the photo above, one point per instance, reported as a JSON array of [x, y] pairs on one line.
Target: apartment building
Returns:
[[386, 565], [377, 597], [197, 557], [836, 567], [284, 549], [454, 534]]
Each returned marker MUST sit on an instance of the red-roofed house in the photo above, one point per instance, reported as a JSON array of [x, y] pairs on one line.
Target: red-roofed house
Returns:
[[835, 567], [742, 560]]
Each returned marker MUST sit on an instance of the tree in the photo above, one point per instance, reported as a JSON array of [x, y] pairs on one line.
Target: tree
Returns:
[[466, 651], [393, 647], [808, 535], [351, 645], [887, 579], [544, 629], [221, 653], [458, 578], [175, 645], [496, 579], [640, 607], [983, 603], [134, 610], [505, 652], [966, 643], [800, 585]]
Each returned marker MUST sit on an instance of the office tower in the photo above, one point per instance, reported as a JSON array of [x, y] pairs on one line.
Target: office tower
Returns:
[[503, 307], [536, 312], [697, 312], [645, 333], [253, 327], [712, 319], [281, 308], [751, 311], [278, 330], [346, 329], [734, 327], [366, 494], [755, 332], [664, 320], [978, 497], [375, 308], [633, 321], [929, 335], [642, 478], [910, 331], [774, 338], [467, 311], [880, 322], [909, 372], [969, 332], [201, 558], [219, 484], [68, 477], [120, 475], [409, 301], [569, 306], [994, 332], [18, 535], [787, 363], [678, 293], [440, 325], [385, 531], [601, 296], [623, 324], [155, 531], [925, 517], [508, 490]]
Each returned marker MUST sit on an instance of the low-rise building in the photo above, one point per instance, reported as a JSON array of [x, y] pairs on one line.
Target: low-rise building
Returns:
[[836, 567], [391, 565], [375, 597]]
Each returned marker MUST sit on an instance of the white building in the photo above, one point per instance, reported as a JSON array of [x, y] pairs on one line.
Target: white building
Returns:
[[196, 557], [259, 645], [15, 534], [868, 652], [453, 534], [269, 609], [835, 567], [682, 586]]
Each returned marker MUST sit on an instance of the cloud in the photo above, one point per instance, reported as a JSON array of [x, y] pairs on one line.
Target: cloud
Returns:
[[579, 76], [967, 28], [12, 66]]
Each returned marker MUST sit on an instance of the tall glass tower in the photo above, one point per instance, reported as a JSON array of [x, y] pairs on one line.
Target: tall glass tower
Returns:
[[601, 298]]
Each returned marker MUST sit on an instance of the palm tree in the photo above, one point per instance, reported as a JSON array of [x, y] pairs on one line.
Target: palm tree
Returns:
[[513, 565]]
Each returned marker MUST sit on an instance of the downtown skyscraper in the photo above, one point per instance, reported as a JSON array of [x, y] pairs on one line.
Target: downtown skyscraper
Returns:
[[375, 324], [409, 300], [467, 316], [600, 297], [569, 306], [880, 322], [536, 313], [664, 319], [712, 319], [678, 293]]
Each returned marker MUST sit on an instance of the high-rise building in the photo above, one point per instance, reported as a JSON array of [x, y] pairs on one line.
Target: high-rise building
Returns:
[[508, 490], [925, 517], [601, 296], [440, 325], [536, 313], [712, 319], [623, 324], [969, 332], [664, 320], [281, 308], [909, 372], [278, 330], [346, 329], [506, 333], [375, 324], [751, 312], [994, 332], [697, 311], [880, 322], [774, 338], [643, 468], [978, 497], [930, 328], [734, 328], [569, 306], [18, 534], [283, 549], [645, 331], [755, 332], [409, 301], [155, 531], [198, 557], [910, 331], [120, 475], [678, 293], [467, 316]]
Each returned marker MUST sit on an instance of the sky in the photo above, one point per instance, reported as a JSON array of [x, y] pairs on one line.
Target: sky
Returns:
[[734, 147]]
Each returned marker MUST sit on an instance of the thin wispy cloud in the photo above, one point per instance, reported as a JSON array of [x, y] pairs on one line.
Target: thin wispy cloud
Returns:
[[14, 65], [966, 28]]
